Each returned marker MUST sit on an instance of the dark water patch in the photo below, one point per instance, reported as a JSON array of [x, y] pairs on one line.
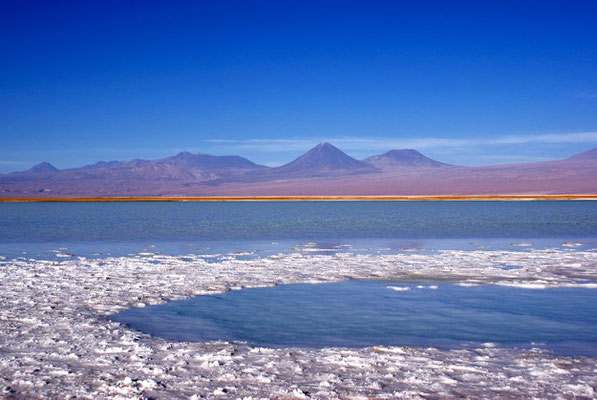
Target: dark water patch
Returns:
[[367, 313]]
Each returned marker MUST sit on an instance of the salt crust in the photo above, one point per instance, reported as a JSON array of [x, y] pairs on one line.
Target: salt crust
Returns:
[[57, 342]]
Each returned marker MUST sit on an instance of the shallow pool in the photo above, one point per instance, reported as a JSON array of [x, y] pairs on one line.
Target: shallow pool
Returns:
[[369, 313]]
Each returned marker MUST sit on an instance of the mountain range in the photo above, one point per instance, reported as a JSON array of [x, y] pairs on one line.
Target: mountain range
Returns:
[[323, 170]]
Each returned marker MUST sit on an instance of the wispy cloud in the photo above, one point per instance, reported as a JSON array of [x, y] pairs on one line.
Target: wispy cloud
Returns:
[[420, 143], [579, 137], [11, 162]]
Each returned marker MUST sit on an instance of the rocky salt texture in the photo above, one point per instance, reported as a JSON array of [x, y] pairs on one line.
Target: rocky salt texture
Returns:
[[56, 340]]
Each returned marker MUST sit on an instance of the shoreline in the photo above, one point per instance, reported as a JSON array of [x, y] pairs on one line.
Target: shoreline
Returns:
[[57, 340], [300, 198]]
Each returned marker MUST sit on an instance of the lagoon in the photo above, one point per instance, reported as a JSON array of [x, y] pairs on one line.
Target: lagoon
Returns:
[[370, 313]]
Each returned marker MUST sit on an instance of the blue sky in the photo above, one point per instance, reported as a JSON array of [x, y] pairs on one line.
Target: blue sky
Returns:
[[466, 82]]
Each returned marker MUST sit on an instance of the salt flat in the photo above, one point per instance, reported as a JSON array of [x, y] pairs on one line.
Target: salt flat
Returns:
[[57, 342]]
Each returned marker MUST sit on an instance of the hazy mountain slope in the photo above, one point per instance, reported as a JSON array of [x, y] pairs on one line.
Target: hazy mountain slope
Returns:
[[181, 167], [323, 170], [586, 155], [403, 158]]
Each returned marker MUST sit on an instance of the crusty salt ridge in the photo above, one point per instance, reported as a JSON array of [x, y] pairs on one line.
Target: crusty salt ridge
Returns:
[[56, 340]]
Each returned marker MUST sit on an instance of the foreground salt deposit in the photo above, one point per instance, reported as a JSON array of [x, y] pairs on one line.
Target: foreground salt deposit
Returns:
[[56, 340]]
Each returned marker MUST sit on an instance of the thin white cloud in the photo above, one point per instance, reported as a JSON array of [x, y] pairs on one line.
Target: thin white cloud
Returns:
[[11, 162], [375, 144], [580, 137]]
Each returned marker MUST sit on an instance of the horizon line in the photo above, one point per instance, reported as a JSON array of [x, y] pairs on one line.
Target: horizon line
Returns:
[[488, 197]]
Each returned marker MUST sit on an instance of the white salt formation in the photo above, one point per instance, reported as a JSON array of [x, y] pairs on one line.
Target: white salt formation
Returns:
[[56, 340]]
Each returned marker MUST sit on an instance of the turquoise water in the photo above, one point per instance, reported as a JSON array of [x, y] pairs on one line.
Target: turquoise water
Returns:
[[367, 313], [184, 227]]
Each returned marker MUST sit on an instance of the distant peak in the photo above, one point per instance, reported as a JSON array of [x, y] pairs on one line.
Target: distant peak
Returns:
[[43, 167], [403, 152], [403, 158], [325, 146], [324, 157], [184, 154]]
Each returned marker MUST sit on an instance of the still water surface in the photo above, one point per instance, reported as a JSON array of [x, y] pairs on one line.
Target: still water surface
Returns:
[[368, 313], [183, 227]]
